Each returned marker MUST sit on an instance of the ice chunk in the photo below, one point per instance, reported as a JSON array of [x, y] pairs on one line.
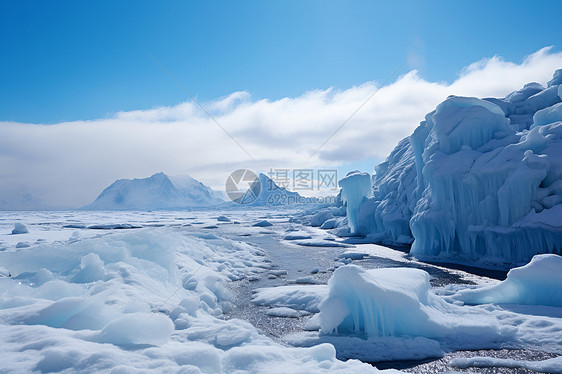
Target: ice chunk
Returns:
[[523, 94], [4, 273], [19, 228], [264, 223], [556, 79], [551, 365], [548, 115], [354, 255], [395, 302], [467, 121], [286, 312], [537, 283], [329, 224], [356, 187], [319, 218], [91, 269], [223, 219], [306, 280], [297, 237]]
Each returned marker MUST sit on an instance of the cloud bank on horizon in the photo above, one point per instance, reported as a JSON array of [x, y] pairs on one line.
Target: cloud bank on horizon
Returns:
[[68, 164]]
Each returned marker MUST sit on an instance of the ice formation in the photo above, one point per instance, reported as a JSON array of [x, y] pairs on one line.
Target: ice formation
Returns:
[[262, 223], [537, 283], [356, 187], [393, 313], [395, 302], [478, 181], [551, 365], [19, 228]]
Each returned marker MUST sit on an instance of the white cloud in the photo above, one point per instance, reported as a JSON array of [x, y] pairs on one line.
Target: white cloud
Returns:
[[70, 163]]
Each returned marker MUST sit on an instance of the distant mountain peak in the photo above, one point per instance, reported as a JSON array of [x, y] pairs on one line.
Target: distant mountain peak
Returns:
[[154, 192]]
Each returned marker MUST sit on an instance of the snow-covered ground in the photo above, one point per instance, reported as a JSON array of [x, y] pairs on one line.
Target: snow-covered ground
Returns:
[[211, 291]]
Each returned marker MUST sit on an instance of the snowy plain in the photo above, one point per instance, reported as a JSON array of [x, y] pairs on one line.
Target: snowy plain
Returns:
[[208, 291]]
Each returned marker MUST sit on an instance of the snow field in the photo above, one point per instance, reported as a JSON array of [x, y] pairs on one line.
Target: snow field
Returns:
[[149, 299]]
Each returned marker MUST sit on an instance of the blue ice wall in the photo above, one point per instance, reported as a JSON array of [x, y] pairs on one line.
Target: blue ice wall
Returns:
[[479, 181]]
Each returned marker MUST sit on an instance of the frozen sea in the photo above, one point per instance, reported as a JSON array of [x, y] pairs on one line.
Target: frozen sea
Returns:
[[227, 291]]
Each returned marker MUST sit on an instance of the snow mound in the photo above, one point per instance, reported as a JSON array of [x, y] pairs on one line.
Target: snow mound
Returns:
[[537, 283], [330, 224], [320, 217], [124, 331], [264, 223], [479, 182], [19, 228]]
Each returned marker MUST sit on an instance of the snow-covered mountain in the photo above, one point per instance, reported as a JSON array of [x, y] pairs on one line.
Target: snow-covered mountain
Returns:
[[273, 194], [155, 192], [195, 191], [20, 198], [478, 180]]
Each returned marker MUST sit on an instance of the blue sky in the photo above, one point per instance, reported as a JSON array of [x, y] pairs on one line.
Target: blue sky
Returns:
[[280, 76], [75, 60]]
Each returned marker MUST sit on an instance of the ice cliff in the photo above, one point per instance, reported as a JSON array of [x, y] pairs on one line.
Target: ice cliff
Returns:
[[479, 181]]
